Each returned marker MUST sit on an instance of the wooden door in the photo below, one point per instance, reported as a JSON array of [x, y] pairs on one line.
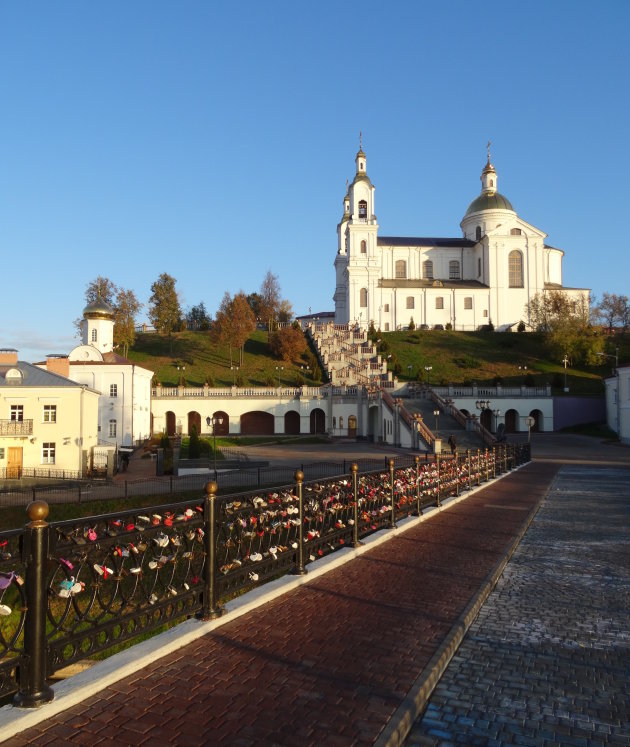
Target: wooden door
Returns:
[[14, 464]]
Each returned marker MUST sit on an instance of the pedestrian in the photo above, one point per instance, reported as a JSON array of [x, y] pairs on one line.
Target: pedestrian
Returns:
[[452, 443]]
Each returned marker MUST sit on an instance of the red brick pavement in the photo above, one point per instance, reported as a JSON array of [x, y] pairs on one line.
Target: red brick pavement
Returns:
[[325, 664]]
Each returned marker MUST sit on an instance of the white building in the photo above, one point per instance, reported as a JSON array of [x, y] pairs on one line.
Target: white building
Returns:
[[487, 276], [618, 403], [48, 424], [124, 411]]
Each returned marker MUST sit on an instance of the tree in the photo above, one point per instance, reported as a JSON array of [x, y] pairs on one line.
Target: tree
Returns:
[[287, 343], [126, 309], [194, 446], [198, 318], [285, 312], [102, 288], [613, 311], [269, 299], [164, 309], [254, 300], [234, 323], [565, 322]]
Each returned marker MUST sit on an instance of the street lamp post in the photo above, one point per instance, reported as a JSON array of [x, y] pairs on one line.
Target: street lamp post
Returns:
[[278, 369], [234, 369], [409, 370], [428, 369], [565, 360], [214, 421], [481, 405], [436, 412]]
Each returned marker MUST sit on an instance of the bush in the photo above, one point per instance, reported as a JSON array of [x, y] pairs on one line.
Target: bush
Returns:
[[240, 381], [412, 324], [164, 442], [210, 380], [270, 381], [448, 326], [194, 447], [521, 326]]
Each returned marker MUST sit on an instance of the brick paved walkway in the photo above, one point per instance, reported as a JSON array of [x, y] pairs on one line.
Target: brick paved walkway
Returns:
[[548, 659], [326, 664]]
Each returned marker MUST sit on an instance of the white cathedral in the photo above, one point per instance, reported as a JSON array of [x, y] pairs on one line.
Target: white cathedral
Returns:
[[486, 277]]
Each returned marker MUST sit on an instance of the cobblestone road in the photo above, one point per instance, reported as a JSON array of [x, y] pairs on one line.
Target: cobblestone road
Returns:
[[547, 662]]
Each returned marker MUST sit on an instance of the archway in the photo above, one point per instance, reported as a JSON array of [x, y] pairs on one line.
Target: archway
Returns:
[[221, 428], [373, 429], [511, 421], [318, 421], [292, 423], [538, 421], [194, 418], [170, 423], [257, 423], [486, 419], [352, 426]]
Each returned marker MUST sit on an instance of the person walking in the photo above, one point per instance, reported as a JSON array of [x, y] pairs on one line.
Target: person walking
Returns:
[[452, 443]]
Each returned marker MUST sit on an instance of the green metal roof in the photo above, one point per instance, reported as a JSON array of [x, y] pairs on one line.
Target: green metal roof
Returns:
[[494, 201]]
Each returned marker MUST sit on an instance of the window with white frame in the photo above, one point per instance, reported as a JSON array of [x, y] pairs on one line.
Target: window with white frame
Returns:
[[410, 302], [427, 269], [363, 298], [48, 452], [112, 429], [478, 233], [94, 335], [478, 267], [50, 414], [439, 302], [468, 302], [485, 313], [386, 326], [515, 269], [113, 390], [17, 413], [386, 308], [364, 247], [453, 270], [401, 268], [362, 209]]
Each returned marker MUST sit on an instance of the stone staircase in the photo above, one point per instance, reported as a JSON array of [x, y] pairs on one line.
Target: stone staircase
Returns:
[[447, 424]]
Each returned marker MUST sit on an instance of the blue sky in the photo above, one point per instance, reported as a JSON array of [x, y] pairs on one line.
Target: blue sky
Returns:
[[213, 140]]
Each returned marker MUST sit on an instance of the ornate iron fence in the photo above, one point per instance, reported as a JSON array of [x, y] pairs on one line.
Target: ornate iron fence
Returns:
[[71, 589]]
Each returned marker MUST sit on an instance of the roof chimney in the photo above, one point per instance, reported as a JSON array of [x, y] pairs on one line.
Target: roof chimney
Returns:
[[8, 355], [58, 364]]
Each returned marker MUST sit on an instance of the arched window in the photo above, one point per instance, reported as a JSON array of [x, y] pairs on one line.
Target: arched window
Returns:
[[515, 232], [453, 270], [363, 298], [492, 182], [410, 302], [478, 233], [427, 269], [401, 268], [362, 209], [94, 335], [515, 265], [364, 247]]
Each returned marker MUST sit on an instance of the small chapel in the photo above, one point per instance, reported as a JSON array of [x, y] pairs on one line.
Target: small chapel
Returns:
[[484, 279]]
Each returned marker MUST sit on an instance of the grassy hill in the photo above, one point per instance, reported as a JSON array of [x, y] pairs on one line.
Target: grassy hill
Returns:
[[457, 357]]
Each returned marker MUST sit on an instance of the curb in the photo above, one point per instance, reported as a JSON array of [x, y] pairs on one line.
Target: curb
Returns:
[[415, 702]]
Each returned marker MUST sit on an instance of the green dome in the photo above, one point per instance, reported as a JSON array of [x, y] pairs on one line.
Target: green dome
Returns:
[[486, 201], [98, 308]]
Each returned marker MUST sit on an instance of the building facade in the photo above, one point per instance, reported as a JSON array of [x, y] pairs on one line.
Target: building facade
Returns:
[[48, 424], [124, 412], [488, 276]]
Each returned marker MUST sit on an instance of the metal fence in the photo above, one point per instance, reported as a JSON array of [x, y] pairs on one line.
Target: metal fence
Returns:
[[71, 589]]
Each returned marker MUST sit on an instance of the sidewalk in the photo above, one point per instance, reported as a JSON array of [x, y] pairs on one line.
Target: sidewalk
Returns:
[[331, 662]]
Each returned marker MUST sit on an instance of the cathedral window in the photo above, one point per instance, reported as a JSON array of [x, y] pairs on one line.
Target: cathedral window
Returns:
[[410, 302], [94, 335], [515, 268], [113, 390], [439, 302], [477, 233], [401, 268], [363, 298], [515, 232], [479, 267], [453, 270], [364, 247], [468, 302], [427, 269], [386, 308], [362, 209]]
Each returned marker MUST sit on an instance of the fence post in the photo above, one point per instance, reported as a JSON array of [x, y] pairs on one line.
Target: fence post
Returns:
[[171, 482], [210, 609], [34, 691], [487, 466], [439, 487], [392, 524], [354, 468], [417, 461], [299, 569], [478, 467], [469, 469], [505, 458], [494, 462], [456, 474]]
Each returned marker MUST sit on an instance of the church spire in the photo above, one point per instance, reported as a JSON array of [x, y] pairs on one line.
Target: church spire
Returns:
[[360, 159], [488, 176]]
